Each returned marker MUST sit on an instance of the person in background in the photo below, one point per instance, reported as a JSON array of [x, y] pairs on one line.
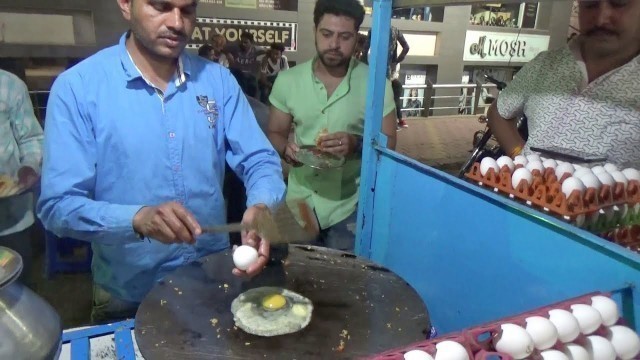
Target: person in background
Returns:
[[272, 64], [361, 42], [583, 96], [324, 99], [20, 164], [245, 57], [218, 42], [413, 103], [393, 61], [136, 141]]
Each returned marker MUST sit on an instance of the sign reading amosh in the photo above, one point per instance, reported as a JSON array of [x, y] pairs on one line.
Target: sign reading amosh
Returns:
[[264, 32], [503, 47]]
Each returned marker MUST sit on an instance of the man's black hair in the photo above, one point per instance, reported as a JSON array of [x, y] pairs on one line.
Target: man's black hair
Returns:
[[348, 8], [205, 50], [247, 35], [277, 46]]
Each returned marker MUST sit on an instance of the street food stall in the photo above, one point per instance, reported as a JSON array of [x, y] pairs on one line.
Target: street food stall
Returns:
[[434, 252]]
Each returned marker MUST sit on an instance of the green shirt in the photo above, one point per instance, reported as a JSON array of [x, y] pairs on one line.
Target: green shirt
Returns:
[[332, 193]]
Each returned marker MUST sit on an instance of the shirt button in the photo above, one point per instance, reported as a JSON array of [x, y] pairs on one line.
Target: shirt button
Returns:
[[176, 168], [172, 135]]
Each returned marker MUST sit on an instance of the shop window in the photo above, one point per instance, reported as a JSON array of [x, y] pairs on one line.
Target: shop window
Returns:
[[424, 13], [504, 15]]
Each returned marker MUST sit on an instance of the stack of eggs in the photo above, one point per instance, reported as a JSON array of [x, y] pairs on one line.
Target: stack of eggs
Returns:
[[572, 178], [573, 332]]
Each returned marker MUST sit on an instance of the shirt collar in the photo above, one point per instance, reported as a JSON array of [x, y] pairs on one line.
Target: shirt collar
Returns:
[[352, 64], [132, 72]]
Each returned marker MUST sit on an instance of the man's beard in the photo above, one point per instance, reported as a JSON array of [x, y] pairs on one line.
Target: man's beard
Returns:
[[342, 63]]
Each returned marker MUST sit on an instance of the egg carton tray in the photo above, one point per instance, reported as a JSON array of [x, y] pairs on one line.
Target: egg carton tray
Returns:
[[626, 236], [545, 193], [477, 341]]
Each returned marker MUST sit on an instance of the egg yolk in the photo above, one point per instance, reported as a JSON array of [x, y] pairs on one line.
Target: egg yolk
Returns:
[[273, 302]]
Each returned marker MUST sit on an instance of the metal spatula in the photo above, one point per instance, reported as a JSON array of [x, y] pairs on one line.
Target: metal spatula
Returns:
[[279, 228]]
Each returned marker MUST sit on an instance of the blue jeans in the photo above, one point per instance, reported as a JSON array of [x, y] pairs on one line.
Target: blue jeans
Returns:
[[108, 308], [340, 236]]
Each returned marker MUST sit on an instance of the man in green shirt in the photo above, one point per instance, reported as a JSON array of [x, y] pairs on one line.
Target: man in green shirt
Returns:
[[325, 100]]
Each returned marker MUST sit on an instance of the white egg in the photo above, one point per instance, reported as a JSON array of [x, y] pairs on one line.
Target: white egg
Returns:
[[506, 161], [534, 165], [599, 348], [488, 163], [606, 178], [244, 256], [519, 175], [598, 169], [533, 157], [417, 355], [520, 160], [566, 323], [542, 331], [588, 318], [451, 350], [576, 352], [571, 184], [625, 341], [553, 355], [514, 340], [618, 176], [564, 168], [590, 181], [607, 308], [550, 163], [631, 174], [581, 171], [609, 167]]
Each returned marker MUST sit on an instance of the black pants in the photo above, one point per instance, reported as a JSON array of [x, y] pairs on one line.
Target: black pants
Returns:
[[20, 242], [396, 86]]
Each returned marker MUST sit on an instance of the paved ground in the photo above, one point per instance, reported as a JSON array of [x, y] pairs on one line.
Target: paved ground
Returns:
[[441, 142]]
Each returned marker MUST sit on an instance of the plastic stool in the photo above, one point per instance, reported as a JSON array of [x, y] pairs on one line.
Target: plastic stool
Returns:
[[55, 247]]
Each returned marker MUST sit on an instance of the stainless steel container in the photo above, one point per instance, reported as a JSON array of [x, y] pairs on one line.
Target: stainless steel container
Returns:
[[30, 328]]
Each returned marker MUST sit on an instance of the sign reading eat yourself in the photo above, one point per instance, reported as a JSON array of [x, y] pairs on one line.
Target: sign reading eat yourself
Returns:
[[264, 32]]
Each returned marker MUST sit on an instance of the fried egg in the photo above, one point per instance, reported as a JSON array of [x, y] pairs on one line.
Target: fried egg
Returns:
[[271, 311]]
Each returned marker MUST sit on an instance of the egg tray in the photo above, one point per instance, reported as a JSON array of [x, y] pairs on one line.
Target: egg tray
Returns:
[[546, 194], [627, 236], [478, 340]]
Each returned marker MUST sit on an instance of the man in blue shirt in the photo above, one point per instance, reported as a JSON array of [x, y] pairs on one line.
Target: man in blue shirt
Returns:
[[136, 139]]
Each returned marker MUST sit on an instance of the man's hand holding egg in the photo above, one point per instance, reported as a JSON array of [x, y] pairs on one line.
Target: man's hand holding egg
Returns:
[[253, 255]]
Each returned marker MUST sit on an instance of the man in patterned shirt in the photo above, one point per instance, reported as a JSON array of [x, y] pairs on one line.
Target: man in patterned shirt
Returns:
[[583, 96], [20, 163]]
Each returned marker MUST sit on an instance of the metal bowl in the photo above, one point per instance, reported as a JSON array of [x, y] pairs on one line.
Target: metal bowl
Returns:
[[29, 327]]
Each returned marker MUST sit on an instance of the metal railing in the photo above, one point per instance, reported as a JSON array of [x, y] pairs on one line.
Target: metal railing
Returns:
[[468, 100], [39, 100]]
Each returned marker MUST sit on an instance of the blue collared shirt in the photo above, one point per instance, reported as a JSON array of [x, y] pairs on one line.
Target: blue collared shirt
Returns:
[[114, 143]]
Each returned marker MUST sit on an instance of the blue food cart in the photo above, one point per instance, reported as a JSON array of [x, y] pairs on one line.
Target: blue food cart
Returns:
[[472, 255]]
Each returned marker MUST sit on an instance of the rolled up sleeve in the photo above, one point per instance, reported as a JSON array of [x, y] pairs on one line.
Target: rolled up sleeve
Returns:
[[512, 99], [26, 129], [66, 205], [250, 153]]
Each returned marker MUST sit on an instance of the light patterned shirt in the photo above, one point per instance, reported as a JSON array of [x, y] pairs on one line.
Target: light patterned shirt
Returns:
[[20, 145], [565, 110]]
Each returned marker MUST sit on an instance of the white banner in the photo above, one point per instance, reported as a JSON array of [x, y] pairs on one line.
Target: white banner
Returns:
[[503, 47]]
